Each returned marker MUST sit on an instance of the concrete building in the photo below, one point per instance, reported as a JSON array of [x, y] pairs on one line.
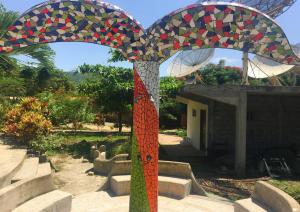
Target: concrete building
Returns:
[[242, 120]]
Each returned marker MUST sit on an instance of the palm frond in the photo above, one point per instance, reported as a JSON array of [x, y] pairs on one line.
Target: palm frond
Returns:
[[40, 52]]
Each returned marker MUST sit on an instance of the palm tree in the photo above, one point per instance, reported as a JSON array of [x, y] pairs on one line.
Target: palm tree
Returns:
[[41, 52]]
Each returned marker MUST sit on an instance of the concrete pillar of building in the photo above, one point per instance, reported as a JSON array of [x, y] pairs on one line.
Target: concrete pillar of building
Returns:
[[241, 133]]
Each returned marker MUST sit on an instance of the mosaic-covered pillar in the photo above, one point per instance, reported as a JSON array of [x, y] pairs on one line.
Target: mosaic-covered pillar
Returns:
[[144, 170]]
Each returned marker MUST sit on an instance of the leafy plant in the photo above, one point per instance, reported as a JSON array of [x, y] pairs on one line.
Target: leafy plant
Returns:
[[65, 109], [169, 110], [111, 88], [27, 120], [41, 52]]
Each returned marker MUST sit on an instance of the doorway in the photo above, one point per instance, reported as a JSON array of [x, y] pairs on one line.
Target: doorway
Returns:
[[203, 127]]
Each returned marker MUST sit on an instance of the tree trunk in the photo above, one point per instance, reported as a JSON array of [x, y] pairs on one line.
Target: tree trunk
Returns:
[[120, 121]]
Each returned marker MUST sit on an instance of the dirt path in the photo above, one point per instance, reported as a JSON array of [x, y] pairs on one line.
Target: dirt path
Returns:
[[73, 175]]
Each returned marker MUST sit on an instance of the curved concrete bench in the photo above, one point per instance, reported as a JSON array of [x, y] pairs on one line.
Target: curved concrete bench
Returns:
[[10, 163], [104, 166], [267, 198], [167, 186], [16, 194], [165, 168], [29, 169], [54, 201]]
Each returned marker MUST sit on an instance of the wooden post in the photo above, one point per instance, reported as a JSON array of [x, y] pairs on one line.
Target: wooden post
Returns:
[[241, 134]]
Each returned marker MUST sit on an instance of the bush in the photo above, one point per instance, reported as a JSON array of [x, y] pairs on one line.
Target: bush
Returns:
[[66, 109], [27, 120], [51, 143], [5, 106]]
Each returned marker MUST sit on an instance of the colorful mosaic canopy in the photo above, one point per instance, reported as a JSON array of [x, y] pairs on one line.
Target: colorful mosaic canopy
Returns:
[[76, 21], [219, 25], [207, 25], [273, 8]]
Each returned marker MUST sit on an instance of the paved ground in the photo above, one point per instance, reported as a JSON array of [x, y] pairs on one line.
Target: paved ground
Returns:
[[73, 175], [102, 201], [108, 127], [176, 147]]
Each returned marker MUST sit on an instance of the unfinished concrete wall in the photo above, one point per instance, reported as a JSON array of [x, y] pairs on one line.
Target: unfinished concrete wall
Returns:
[[273, 122], [223, 128]]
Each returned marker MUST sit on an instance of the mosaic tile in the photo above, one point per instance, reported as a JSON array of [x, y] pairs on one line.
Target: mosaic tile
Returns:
[[146, 128], [218, 25], [207, 25], [77, 21]]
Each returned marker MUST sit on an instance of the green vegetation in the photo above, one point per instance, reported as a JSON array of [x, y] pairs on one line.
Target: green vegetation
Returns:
[[170, 110], [181, 133], [80, 144], [221, 74], [41, 53], [292, 187], [27, 120], [65, 108], [111, 89]]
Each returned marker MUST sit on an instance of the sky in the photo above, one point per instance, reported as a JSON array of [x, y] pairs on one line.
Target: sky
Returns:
[[71, 55]]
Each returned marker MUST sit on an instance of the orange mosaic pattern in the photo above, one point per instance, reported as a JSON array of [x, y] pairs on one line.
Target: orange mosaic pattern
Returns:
[[146, 132]]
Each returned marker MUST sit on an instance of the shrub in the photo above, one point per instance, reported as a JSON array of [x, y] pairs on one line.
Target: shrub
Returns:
[[67, 108], [52, 143], [27, 120], [5, 106]]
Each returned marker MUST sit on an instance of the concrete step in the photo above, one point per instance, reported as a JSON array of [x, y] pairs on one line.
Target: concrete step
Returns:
[[22, 191], [249, 205], [98, 201], [167, 186], [11, 161], [101, 202], [44, 169], [29, 169], [174, 187], [54, 201]]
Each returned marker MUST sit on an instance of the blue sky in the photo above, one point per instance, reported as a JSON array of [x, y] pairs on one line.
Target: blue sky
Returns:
[[70, 55]]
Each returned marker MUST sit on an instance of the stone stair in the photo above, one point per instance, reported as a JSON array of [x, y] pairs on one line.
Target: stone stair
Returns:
[[52, 201], [248, 205], [104, 202], [29, 169], [267, 198], [11, 160], [26, 185], [167, 186]]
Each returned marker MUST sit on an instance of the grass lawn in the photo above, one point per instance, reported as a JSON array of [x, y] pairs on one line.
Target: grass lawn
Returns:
[[80, 144], [292, 187]]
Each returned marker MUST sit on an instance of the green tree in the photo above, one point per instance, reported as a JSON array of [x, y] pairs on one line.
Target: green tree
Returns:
[[169, 110], [116, 56], [41, 52], [40, 79], [112, 90], [12, 87], [67, 109], [220, 74]]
